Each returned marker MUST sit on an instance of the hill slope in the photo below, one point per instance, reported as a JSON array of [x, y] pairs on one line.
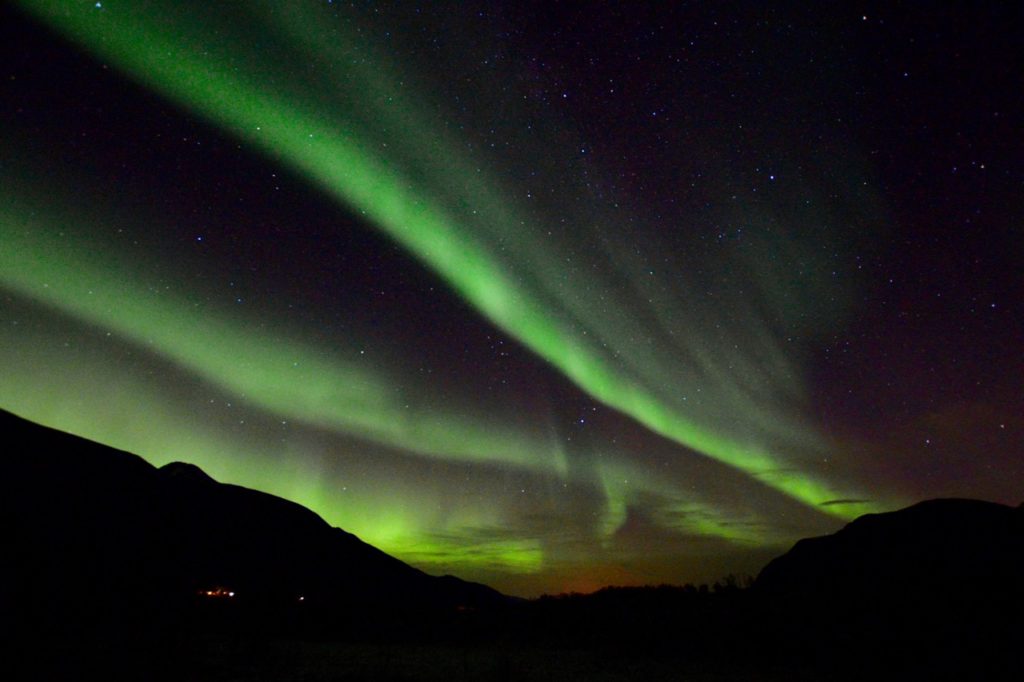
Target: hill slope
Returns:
[[938, 547], [93, 532]]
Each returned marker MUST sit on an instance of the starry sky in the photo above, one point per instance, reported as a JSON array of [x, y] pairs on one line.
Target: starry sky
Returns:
[[545, 295]]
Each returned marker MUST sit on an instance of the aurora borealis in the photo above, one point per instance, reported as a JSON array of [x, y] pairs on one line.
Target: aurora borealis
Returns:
[[539, 297]]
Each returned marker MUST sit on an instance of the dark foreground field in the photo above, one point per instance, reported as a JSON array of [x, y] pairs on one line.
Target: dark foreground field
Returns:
[[216, 660], [625, 634]]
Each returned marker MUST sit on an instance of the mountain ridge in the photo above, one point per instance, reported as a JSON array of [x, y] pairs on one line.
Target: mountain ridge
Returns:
[[93, 528], [119, 564], [938, 546]]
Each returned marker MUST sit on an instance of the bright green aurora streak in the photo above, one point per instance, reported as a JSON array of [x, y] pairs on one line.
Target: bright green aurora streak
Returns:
[[329, 123]]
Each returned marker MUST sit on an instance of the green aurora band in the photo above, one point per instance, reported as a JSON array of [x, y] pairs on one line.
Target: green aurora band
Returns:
[[328, 124], [44, 262]]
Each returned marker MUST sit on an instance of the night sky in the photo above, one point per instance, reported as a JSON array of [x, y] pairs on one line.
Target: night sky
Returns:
[[544, 295]]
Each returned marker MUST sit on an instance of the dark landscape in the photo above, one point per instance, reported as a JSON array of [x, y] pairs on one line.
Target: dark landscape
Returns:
[[118, 569]]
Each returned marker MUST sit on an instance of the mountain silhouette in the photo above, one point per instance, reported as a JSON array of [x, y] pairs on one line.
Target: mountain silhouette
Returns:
[[933, 591], [116, 569], [97, 534], [939, 547]]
